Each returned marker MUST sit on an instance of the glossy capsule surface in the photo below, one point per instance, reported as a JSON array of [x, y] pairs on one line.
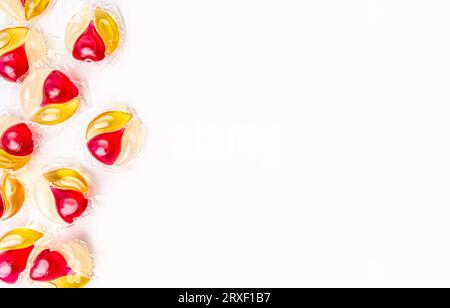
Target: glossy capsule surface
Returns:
[[16, 247], [114, 137], [24, 10], [12, 195], [16, 143], [66, 264], [49, 97], [20, 49], [62, 195], [93, 34]]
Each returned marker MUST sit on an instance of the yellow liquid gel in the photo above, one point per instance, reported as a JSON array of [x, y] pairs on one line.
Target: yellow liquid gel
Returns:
[[34, 8], [10, 162], [13, 196], [56, 113], [67, 179], [19, 239], [108, 30], [12, 38], [108, 122]]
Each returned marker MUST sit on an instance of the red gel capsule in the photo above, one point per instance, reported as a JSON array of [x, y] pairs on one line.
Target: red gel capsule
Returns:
[[106, 147], [69, 203], [49, 265], [89, 45], [18, 140], [14, 64], [13, 263], [58, 88], [2, 206]]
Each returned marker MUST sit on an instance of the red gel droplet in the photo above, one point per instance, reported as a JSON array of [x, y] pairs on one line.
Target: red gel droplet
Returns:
[[69, 203], [58, 88], [13, 263], [90, 45], [2, 206], [48, 266], [14, 64], [106, 148], [18, 140]]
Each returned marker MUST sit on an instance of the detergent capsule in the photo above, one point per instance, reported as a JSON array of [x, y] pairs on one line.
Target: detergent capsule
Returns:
[[24, 10], [63, 195], [15, 249], [114, 137], [20, 49], [93, 34], [12, 195], [16, 143], [49, 97], [62, 264]]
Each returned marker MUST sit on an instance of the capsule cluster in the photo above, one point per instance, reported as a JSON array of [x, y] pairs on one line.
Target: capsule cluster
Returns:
[[26, 255], [49, 96]]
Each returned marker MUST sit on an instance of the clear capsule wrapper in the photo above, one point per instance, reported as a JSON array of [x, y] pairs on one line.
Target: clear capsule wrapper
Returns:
[[63, 193], [51, 95], [114, 137], [37, 198], [25, 11], [30, 257], [22, 48], [95, 33]]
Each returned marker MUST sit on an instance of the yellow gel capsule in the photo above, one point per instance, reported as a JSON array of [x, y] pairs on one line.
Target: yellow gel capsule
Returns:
[[11, 162], [12, 196], [24, 10], [67, 179], [108, 122], [12, 38], [56, 113], [70, 282], [34, 8], [108, 30], [19, 239]]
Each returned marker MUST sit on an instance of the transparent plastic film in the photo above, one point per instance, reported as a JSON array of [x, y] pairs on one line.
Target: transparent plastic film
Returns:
[[61, 264], [24, 10], [16, 247], [94, 33], [63, 194], [35, 258], [115, 137], [49, 96], [21, 49]]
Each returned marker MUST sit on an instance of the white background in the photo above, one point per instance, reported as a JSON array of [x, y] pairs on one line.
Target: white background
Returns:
[[290, 144]]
